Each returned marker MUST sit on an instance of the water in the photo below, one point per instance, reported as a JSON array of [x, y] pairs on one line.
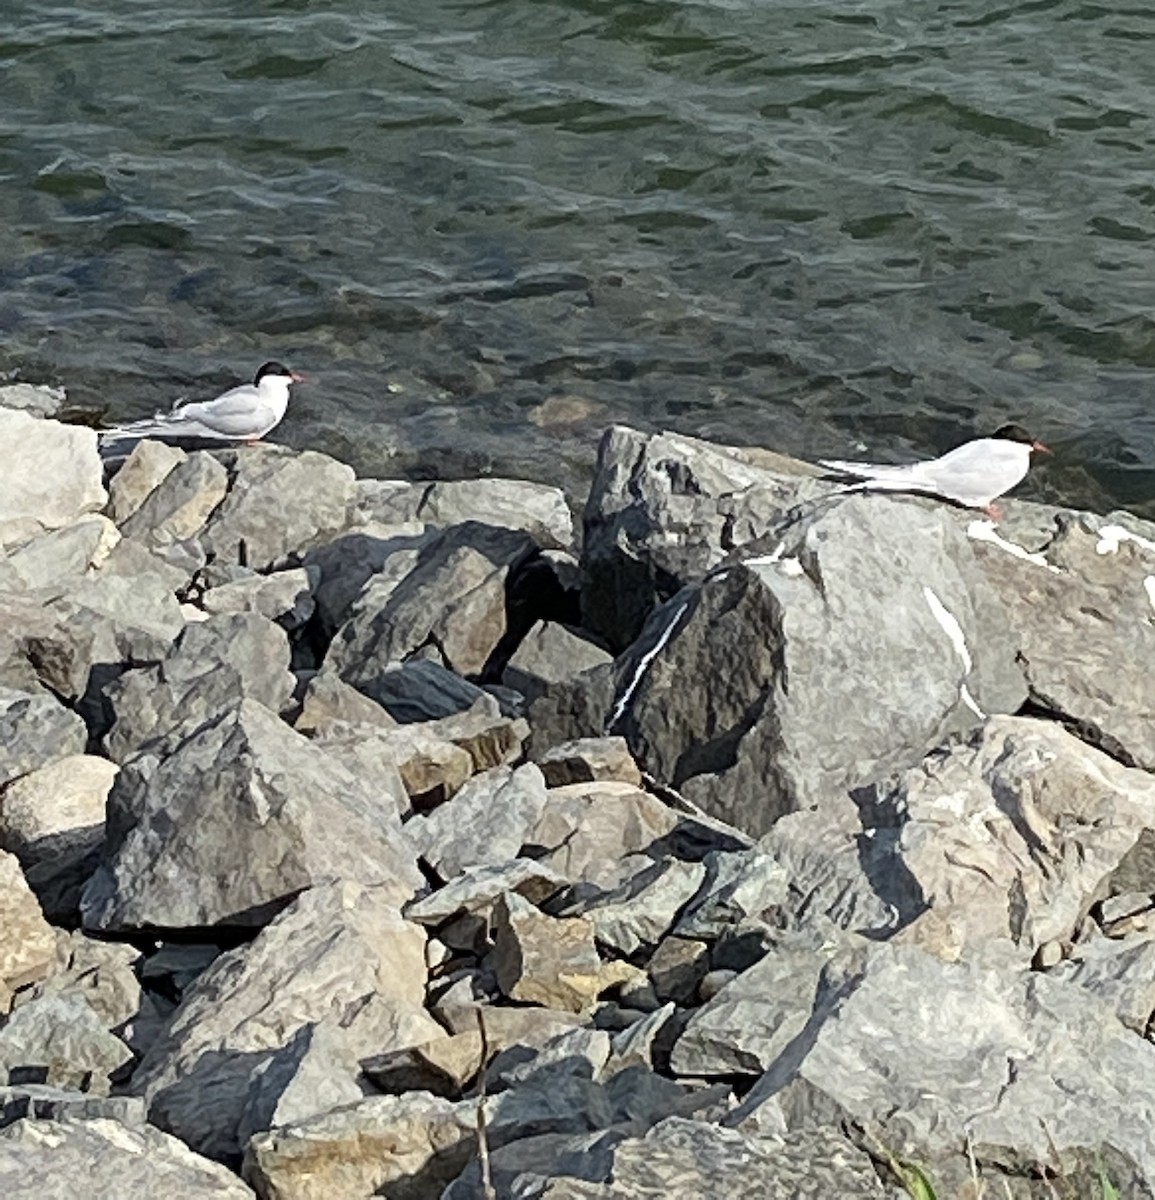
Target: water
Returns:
[[488, 230]]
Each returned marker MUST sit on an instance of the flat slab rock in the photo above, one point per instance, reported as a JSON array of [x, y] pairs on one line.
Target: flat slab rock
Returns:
[[56, 477]]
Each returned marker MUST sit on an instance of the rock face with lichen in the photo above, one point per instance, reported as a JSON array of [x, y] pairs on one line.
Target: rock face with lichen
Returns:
[[772, 835]]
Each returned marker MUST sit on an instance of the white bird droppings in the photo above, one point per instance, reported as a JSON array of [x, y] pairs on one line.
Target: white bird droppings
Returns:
[[1111, 537], [984, 531], [950, 626]]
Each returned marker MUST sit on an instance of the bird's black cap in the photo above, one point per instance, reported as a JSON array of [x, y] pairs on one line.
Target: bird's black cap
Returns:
[[274, 368], [1013, 433]]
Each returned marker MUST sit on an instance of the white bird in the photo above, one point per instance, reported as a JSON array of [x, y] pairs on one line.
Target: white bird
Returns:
[[242, 414], [973, 474]]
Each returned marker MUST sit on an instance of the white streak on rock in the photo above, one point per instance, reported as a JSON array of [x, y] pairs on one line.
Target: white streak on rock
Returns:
[[643, 665], [766, 560], [791, 567], [950, 626], [1111, 537], [966, 697], [1149, 588], [984, 531]]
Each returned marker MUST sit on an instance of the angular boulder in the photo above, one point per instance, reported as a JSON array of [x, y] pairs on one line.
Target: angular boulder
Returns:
[[849, 651], [237, 820], [56, 477]]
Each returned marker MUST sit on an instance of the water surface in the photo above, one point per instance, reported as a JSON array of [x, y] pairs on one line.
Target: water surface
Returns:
[[488, 230]]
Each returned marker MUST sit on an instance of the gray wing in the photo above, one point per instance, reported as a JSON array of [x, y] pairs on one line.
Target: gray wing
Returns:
[[237, 413]]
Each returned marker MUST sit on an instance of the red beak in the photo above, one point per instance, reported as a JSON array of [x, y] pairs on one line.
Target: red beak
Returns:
[[1038, 446], [297, 377]]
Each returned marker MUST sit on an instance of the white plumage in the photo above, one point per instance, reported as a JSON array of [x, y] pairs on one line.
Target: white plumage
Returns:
[[973, 474], [242, 414]]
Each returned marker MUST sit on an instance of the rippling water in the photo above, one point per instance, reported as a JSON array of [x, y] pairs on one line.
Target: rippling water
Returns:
[[487, 230]]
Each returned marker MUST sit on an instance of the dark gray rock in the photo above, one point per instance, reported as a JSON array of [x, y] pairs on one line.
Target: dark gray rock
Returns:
[[329, 702], [237, 820], [664, 509], [212, 666], [573, 709], [784, 681], [452, 602], [549, 654], [60, 1159], [35, 729], [255, 527], [360, 567], [421, 691]]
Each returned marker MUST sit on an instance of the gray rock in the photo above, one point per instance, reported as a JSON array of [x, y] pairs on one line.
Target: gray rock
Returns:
[[129, 618], [52, 559], [256, 528], [38, 647], [429, 769], [575, 708], [340, 958], [35, 730], [176, 966], [315, 1072], [46, 1160], [489, 820], [664, 509], [544, 960], [539, 510], [551, 653], [1083, 633], [1023, 810], [741, 886], [637, 915], [586, 829], [44, 1103], [52, 819], [242, 816], [586, 760], [27, 943], [490, 738], [453, 601], [330, 701], [36, 399], [212, 666], [56, 477], [410, 1145], [285, 597], [827, 692], [1121, 973], [59, 1040], [102, 974], [680, 1157], [749, 1023], [475, 890], [1018, 1060], [180, 504], [142, 472]]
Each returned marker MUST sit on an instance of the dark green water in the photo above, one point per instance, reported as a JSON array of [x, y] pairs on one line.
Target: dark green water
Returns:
[[487, 230]]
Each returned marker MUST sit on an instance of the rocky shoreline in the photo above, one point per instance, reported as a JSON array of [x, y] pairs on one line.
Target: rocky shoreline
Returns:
[[374, 838]]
